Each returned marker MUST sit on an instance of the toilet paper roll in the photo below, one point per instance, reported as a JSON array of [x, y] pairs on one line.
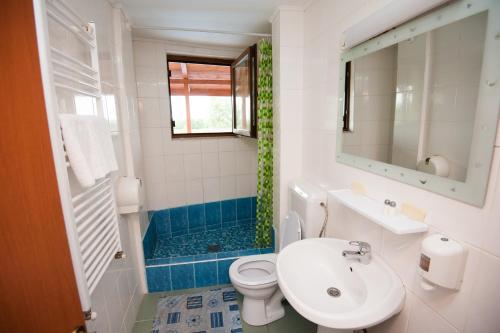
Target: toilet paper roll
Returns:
[[128, 192], [435, 165]]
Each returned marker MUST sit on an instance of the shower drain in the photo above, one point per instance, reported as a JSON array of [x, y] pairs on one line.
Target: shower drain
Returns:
[[211, 248], [334, 292]]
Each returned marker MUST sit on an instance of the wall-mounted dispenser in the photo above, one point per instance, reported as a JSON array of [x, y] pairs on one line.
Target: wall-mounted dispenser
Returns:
[[442, 262]]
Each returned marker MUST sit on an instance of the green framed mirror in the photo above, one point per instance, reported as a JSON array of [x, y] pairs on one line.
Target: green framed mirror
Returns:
[[420, 103]]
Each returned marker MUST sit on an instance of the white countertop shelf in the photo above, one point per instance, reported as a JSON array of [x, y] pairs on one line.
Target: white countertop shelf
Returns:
[[374, 211]]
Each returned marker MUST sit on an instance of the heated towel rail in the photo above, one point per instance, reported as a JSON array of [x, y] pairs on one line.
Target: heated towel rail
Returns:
[[91, 215]]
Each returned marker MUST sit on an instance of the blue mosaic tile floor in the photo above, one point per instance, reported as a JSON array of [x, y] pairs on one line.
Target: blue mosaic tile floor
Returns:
[[230, 239]]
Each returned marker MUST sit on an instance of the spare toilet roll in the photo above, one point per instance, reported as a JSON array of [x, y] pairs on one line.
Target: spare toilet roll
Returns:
[[435, 165], [128, 192]]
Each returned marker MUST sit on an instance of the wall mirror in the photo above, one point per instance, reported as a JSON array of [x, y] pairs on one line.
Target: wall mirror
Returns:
[[421, 101]]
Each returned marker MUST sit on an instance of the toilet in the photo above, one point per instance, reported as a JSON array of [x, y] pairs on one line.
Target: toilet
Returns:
[[255, 276]]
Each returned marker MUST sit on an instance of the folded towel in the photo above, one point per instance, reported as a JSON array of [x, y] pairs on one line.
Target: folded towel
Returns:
[[89, 147]]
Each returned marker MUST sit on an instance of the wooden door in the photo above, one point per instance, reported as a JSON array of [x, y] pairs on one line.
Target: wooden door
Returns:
[[38, 290]]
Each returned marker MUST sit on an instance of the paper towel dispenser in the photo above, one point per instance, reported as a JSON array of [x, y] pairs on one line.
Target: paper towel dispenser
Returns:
[[442, 262]]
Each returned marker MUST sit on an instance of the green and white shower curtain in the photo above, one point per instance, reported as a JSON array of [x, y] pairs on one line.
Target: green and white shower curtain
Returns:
[[263, 236]]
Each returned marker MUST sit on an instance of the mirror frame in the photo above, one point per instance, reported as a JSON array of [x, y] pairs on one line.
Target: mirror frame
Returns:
[[473, 190]]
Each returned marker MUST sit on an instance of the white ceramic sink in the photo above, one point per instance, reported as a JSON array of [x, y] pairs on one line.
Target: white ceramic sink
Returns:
[[369, 295]]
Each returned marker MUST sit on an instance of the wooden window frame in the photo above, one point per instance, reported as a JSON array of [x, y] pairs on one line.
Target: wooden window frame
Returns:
[[195, 60], [251, 54]]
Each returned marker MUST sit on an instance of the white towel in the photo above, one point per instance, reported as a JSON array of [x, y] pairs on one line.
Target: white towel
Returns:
[[89, 147]]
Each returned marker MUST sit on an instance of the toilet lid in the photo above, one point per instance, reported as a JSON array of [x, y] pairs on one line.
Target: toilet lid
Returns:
[[290, 229], [254, 270]]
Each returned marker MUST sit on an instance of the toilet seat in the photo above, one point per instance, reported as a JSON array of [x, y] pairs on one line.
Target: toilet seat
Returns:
[[255, 270]]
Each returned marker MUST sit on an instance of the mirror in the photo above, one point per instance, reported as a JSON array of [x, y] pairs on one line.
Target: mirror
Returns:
[[245, 93], [412, 109]]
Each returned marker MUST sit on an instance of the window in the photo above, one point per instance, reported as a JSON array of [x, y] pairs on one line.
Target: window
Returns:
[[200, 96]]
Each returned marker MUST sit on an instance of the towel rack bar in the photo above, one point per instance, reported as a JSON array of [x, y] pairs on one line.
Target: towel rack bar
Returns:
[[86, 234], [101, 196], [65, 86], [73, 60], [95, 278], [70, 15], [69, 26], [90, 250], [90, 190], [105, 246], [73, 70], [74, 80]]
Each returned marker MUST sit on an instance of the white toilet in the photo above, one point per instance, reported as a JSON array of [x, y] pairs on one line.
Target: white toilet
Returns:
[[255, 276]]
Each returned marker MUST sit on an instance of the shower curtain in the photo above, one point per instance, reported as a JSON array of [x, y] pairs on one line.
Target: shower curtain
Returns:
[[263, 235]]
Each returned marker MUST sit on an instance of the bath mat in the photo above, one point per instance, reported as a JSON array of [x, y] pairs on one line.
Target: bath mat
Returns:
[[211, 311]]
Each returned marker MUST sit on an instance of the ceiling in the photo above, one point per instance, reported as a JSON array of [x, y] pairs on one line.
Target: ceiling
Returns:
[[226, 15]]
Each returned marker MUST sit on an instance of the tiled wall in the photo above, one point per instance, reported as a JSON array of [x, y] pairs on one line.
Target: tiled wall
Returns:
[[199, 271], [186, 171], [472, 309], [118, 295], [457, 60], [408, 108], [374, 77], [287, 102], [191, 219]]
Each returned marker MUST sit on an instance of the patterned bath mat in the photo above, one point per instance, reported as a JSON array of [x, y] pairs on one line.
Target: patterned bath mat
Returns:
[[212, 311]]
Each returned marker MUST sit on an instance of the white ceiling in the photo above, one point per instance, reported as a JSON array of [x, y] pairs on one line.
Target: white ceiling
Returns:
[[226, 15]]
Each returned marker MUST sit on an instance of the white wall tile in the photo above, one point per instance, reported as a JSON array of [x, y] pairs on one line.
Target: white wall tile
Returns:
[[244, 186], [156, 194], [423, 319], [227, 187], [485, 301], [176, 194], [210, 165], [227, 162], [147, 82], [191, 146], [226, 144], [151, 142], [171, 147], [194, 192], [174, 167], [164, 110], [211, 189], [244, 162], [192, 166], [144, 54], [149, 112], [154, 169], [209, 145]]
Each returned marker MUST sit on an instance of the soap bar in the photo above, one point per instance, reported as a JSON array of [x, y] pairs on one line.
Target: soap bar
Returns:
[[413, 212]]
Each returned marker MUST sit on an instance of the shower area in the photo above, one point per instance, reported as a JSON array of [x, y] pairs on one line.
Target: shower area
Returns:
[[193, 246], [201, 190]]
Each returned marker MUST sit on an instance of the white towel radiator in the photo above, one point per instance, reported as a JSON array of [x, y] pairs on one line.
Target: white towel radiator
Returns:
[[90, 215]]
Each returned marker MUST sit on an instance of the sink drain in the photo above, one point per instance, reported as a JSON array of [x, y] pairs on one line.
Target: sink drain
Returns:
[[334, 292]]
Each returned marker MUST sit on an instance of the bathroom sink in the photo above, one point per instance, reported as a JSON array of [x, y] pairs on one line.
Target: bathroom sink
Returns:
[[335, 292]]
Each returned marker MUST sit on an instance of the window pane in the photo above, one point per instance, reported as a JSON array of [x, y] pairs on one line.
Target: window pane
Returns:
[[200, 96]]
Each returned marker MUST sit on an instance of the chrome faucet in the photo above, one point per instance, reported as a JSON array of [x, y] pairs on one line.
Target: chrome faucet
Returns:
[[363, 254]]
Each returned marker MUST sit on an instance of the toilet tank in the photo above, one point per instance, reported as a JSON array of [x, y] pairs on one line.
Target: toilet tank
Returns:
[[305, 199]]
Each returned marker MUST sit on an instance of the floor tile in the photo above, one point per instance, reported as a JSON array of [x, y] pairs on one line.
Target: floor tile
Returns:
[[142, 326], [291, 323]]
